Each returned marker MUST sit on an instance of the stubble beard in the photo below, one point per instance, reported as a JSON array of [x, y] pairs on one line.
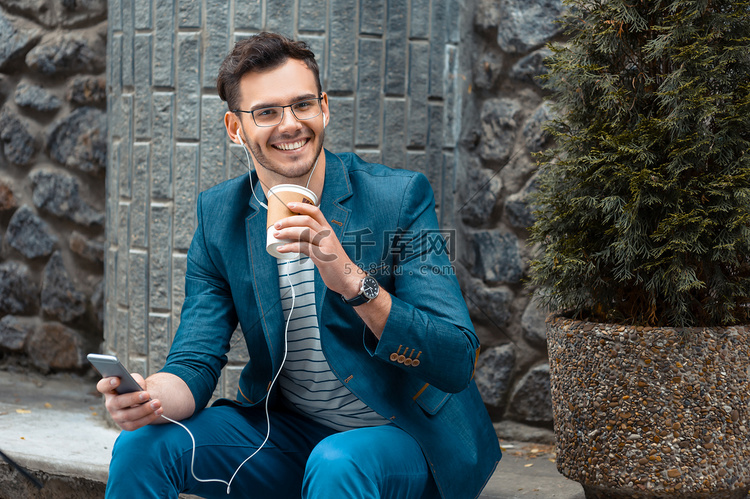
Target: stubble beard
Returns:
[[298, 169]]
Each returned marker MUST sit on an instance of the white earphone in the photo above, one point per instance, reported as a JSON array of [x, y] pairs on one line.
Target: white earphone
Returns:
[[239, 136], [325, 120]]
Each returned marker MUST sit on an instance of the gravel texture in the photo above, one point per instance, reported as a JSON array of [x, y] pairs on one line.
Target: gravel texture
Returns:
[[651, 412]]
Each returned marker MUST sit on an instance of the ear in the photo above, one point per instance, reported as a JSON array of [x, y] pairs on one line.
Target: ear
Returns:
[[324, 107], [234, 127]]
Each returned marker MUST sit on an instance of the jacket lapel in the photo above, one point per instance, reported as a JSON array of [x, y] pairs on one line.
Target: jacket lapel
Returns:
[[336, 190], [265, 278]]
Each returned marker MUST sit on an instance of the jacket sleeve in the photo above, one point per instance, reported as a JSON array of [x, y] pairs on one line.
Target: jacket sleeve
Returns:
[[428, 332], [208, 318]]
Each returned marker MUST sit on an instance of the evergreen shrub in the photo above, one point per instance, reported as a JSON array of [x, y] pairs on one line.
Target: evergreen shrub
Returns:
[[643, 209]]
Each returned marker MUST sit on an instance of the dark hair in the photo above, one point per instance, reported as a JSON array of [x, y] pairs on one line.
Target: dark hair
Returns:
[[260, 52]]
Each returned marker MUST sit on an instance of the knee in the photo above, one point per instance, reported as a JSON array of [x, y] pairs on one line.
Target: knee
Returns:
[[330, 455], [149, 447], [133, 447], [332, 467], [144, 465]]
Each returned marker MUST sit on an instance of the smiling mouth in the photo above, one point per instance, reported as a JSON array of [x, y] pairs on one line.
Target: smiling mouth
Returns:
[[291, 146]]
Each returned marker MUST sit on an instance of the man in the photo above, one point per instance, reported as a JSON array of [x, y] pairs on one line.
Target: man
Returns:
[[367, 380]]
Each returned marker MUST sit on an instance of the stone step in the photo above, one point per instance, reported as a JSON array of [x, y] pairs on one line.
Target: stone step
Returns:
[[54, 427]]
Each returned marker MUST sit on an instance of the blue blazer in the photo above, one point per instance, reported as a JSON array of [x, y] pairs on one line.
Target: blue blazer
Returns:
[[419, 374]]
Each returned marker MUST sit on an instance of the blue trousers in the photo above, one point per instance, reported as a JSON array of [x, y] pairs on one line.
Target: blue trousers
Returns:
[[301, 459]]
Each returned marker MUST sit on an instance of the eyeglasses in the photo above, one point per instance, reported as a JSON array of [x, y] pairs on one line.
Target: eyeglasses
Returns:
[[271, 116]]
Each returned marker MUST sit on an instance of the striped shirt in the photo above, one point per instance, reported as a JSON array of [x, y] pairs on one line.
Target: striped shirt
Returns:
[[306, 379]]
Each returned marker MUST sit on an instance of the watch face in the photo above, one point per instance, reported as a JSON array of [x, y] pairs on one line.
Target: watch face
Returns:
[[370, 287]]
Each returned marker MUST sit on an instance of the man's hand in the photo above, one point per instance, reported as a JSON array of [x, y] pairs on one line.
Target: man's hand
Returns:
[[312, 235], [130, 410]]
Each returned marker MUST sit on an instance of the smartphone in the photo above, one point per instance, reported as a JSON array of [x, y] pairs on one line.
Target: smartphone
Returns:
[[109, 365]]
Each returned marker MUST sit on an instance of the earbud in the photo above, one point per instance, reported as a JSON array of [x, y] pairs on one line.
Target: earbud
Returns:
[[325, 120], [239, 136]]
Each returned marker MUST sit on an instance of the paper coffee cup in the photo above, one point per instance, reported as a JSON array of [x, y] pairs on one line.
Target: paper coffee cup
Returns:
[[278, 197]]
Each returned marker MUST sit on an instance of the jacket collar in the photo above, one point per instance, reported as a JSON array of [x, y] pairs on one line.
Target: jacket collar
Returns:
[[336, 187]]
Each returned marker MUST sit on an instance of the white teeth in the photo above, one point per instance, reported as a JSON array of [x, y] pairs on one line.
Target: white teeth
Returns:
[[293, 145]]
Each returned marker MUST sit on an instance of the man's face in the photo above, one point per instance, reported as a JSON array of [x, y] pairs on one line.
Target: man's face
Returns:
[[289, 149]]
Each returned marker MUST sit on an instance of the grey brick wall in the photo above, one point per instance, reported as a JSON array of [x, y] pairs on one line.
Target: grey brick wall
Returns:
[[390, 68]]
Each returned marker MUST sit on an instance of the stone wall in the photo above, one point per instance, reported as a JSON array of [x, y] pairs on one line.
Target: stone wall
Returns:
[[53, 134], [444, 86], [501, 129]]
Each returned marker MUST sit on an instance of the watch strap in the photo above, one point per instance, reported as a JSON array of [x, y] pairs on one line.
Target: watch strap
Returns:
[[357, 300], [361, 297]]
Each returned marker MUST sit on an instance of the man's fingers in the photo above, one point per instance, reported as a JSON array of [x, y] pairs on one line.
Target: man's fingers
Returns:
[[133, 417], [305, 209], [302, 221], [106, 385], [134, 424], [119, 402], [295, 234]]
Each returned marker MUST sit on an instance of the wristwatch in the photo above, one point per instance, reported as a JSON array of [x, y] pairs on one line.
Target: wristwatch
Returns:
[[368, 290]]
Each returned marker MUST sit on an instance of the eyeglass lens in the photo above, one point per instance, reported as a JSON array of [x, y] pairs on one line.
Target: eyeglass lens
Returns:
[[303, 110]]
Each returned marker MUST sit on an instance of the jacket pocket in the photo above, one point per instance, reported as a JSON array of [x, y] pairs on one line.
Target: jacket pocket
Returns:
[[430, 399]]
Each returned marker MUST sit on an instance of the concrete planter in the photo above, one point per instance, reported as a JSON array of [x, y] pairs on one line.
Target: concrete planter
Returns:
[[651, 412]]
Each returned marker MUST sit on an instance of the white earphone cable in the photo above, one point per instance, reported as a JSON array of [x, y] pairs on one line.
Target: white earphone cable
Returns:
[[268, 396], [249, 170]]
